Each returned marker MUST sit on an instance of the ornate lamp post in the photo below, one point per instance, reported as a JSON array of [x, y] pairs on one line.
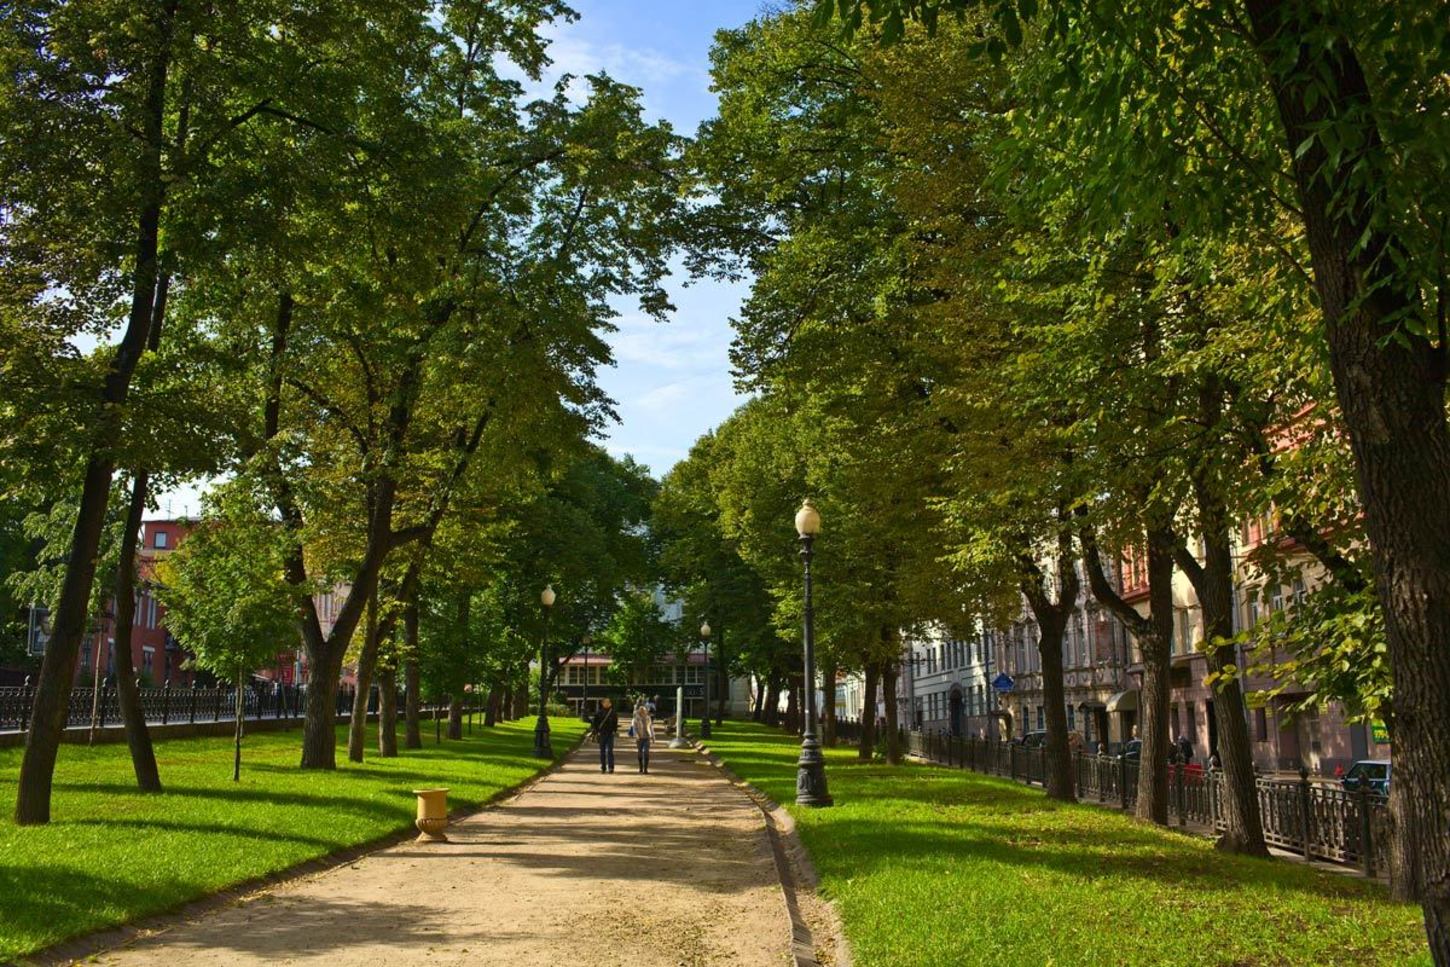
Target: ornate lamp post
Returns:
[[810, 777], [705, 716], [542, 748]]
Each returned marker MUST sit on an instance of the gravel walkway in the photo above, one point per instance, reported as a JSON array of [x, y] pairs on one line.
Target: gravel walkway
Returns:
[[672, 868]]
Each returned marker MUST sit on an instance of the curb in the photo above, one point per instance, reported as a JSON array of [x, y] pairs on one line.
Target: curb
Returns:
[[781, 833], [107, 939]]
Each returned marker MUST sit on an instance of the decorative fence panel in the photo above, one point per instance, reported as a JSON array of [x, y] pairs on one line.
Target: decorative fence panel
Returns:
[[1314, 819], [166, 705]]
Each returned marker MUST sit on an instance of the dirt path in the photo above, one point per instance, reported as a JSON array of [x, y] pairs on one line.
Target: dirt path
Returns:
[[670, 868]]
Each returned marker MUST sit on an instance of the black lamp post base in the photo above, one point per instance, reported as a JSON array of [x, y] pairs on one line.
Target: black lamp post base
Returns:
[[810, 778], [543, 749]]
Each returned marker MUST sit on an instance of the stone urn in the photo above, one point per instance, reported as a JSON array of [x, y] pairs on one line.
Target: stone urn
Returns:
[[432, 815]]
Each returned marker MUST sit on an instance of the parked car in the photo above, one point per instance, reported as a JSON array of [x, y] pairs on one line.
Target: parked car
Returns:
[[1371, 773], [1034, 740], [1132, 749]]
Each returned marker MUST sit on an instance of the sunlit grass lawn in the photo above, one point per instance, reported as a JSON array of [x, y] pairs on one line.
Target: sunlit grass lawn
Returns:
[[929, 865], [111, 854]]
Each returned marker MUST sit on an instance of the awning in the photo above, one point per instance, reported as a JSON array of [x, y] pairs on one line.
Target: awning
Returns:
[[1090, 703], [1124, 701]]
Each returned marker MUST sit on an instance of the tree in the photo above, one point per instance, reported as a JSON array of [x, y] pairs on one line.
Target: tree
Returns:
[[227, 599], [1361, 151]]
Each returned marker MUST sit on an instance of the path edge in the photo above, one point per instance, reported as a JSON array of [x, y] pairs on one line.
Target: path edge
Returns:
[[96, 943], [794, 870]]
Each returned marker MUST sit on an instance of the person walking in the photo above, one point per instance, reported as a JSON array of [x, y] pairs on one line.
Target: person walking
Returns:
[[642, 727], [604, 727]]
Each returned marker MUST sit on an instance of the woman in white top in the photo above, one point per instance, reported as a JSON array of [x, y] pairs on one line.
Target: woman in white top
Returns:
[[643, 726]]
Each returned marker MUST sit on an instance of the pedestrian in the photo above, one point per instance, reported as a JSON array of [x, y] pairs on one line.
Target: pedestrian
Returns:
[[654, 705], [603, 728], [1185, 748], [642, 727]]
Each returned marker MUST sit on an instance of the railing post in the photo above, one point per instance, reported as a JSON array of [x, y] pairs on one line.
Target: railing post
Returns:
[[1305, 811], [1102, 786], [1123, 780], [1366, 831], [216, 715], [1012, 762], [166, 702], [27, 695], [1180, 777], [1211, 786], [192, 703]]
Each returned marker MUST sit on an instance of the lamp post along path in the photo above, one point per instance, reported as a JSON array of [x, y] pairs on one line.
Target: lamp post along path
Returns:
[[810, 779], [543, 749], [705, 715]]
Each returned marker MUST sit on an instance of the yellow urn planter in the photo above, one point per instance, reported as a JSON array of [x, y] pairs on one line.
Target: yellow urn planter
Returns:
[[432, 815]]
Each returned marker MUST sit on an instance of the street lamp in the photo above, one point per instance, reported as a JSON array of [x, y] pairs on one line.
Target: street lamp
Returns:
[[705, 716], [542, 748], [810, 778]]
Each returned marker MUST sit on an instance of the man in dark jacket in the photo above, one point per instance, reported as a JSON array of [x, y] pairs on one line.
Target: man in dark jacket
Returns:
[[1185, 748], [604, 726]]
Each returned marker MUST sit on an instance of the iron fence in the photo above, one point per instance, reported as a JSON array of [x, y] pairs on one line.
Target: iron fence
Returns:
[[166, 705], [1316, 820]]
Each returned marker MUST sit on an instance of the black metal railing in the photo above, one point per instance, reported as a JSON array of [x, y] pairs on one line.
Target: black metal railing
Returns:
[[1316, 820], [168, 705]]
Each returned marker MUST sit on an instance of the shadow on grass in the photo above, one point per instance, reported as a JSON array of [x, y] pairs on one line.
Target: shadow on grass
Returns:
[[936, 812]]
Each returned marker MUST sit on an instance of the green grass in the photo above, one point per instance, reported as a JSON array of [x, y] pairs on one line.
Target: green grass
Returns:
[[929, 865], [111, 855]]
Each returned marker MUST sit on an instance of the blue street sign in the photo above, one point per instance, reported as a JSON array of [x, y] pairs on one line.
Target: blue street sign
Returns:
[[1003, 682]]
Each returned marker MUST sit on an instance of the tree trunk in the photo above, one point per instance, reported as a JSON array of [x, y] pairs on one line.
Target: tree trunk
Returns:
[[793, 707], [1404, 866], [521, 696], [138, 736], [1052, 626], [1052, 618], [772, 699], [412, 677], [722, 663], [1213, 584], [867, 747], [828, 704], [490, 708], [893, 728], [319, 720], [1391, 393], [1155, 646], [455, 717], [241, 710], [387, 711], [757, 711], [57, 668], [366, 664]]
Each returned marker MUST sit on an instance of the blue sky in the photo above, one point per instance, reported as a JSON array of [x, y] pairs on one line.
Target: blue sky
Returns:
[[672, 380]]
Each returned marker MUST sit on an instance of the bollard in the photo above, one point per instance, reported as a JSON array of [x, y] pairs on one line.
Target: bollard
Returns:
[[1305, 810], [432, 815]]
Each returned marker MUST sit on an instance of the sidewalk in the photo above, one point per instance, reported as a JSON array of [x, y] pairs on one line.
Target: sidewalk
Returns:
[[670, 868]]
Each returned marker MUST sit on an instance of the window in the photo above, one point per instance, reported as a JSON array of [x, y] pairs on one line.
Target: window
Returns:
[[148, 662], [1261, 724], [1300, 593], [1019, 648], [1079, 633], [1173, 720], [86, 656], [1253, 597], [1190, 723], [160, 539], [1185, 632], [1071, 719], [1276, 600], [1312, 722], [692, 675], [1041, 719]]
